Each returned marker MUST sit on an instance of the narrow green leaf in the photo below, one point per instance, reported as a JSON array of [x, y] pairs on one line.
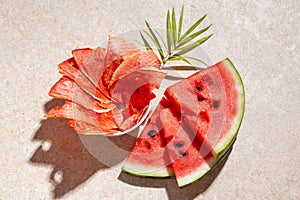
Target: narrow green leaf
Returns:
[[181, 68], [147, 45], [161, 39], [155, 40], [192, 27], [180, 22], [190, 47], [174, 28], [174, 58], [191, 37], [156, 45], [169, 33], [198, 60]]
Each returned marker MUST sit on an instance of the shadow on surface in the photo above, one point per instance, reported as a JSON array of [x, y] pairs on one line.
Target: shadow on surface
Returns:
[[64, 149], [173, 191]]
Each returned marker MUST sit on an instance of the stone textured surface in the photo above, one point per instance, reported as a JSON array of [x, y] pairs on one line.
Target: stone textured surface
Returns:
[[42, 159]]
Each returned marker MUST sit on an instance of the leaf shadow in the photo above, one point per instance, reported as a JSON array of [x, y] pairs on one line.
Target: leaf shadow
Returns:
[[73, 162], [173, 191]]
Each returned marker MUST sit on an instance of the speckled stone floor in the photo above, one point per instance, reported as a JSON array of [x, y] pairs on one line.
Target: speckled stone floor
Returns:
[[43, 159]]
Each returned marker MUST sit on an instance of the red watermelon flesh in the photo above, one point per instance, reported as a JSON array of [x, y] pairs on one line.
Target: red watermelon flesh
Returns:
[[211, 103], [184, 149], [142, 59], [67, 89], [70, 69], [131, 120], [149, 157], [70, 110], [91, 64], [134, 83], [133, 92]]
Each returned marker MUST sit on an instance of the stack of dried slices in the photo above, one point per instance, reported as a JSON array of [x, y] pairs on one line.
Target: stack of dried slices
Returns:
[[106, 90]]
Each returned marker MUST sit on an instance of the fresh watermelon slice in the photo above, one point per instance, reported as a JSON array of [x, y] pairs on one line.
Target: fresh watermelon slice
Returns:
[[67, 89], [184, 149], [142, 59], [70, 69], [211, 103], [149, 157]]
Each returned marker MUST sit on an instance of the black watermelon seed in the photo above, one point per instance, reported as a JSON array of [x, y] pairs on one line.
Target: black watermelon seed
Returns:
[[216, 104], [151, 133], [138, 91], [200, 99], [178, 145], [148, 146], [199, 88], [182, 154]]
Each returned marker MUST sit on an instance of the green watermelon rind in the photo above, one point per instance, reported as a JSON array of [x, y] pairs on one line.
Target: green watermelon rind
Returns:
[[226, 141], [196, 174], [210, 165], [147, 171]]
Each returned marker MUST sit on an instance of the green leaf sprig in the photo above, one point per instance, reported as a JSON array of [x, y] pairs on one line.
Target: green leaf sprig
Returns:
[[177, 43]]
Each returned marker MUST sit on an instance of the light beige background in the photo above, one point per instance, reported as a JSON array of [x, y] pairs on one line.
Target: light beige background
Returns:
[[262, 39]]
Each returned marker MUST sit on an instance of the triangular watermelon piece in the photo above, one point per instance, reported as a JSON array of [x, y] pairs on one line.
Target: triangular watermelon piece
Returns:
[[211, 103], [184, 149], [149, 157]]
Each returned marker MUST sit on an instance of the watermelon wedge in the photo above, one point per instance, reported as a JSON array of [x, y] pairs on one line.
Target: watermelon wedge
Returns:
[[184, 150], [149, 157], [211, 103]]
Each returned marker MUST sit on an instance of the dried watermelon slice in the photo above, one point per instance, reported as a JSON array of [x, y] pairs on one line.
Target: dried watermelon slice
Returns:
[[105, 121], [67, 89], [91, 64], [84, 128], [118, 49], [142, 59], [70, 69]]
